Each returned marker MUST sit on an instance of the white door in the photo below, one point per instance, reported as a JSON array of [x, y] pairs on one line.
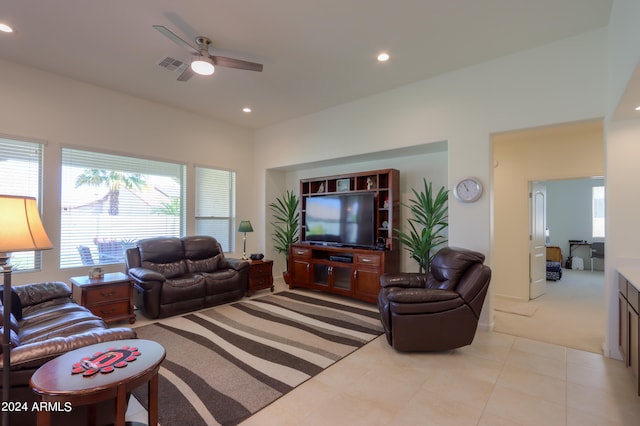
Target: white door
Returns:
[[537, 247]]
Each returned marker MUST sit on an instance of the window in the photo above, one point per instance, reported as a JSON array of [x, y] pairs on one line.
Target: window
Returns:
[[215, 205], [21, 174], [597, 211], [109, 202]]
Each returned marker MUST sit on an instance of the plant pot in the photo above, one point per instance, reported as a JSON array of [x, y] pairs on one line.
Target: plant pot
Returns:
[[287, 277]]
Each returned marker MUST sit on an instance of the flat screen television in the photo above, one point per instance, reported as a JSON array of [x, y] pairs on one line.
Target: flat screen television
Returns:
[[341, 219]]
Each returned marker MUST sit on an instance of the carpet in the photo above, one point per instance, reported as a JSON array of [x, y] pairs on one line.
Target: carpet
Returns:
[[571, 313], [228, 362]]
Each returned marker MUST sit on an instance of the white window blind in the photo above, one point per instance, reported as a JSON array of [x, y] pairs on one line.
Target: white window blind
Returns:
[[597, 212], [21, 174], [215, 205], [111, 201]]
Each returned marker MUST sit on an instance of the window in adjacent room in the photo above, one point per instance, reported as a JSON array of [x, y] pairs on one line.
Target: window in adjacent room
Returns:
[[597, 211], [110, 201], [21, 174], [215, 205]]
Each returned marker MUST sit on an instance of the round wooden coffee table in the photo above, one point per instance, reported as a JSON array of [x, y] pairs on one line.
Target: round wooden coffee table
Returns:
[[122, 366]]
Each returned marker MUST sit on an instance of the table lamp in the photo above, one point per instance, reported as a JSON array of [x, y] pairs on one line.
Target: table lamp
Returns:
[[20, 230], [245, 226]]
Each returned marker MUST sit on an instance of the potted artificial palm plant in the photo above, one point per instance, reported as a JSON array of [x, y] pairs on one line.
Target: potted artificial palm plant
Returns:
[[429, 219], [286, 224]]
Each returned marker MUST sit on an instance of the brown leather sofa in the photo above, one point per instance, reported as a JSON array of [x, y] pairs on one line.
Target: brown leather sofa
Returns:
[[45, 323], [439, 310], [175, 275]]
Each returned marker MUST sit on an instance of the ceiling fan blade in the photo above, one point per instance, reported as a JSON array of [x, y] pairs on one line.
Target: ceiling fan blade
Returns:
[[222, 61], [186, 74], [177, 40]]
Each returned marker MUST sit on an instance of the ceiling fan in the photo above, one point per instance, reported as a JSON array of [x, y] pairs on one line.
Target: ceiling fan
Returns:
[[203, 62]]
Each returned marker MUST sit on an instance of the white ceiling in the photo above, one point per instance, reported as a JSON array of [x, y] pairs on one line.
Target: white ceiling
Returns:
[[316, 53]]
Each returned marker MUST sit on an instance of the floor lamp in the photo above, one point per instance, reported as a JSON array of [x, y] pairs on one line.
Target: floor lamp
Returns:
[[245, 226], [20, 230]]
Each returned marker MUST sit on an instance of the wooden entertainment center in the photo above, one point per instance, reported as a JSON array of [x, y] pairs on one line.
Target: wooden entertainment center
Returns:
[[350, 271]]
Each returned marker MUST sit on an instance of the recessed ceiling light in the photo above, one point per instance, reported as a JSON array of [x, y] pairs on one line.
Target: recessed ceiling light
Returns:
[[638, 108], [246, 109], [383, 57], [5, 28]]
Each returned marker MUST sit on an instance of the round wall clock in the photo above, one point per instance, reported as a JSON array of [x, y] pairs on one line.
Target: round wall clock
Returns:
[[468, 189]]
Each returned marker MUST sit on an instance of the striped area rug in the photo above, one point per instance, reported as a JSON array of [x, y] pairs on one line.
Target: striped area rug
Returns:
[[228, 362]]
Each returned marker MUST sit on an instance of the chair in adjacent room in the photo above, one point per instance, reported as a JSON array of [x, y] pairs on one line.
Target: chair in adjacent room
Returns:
[[439, 310], [597, 252], [85, 256]]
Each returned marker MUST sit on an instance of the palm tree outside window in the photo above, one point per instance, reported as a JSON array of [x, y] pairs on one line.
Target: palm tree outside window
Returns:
[[110, 201], [113, 180]]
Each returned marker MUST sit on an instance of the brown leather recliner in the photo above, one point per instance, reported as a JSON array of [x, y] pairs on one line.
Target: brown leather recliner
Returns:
[[439, 310]]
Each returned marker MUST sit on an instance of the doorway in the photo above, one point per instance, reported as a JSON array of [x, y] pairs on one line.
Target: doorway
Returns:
[[571, 311], [550, 153]]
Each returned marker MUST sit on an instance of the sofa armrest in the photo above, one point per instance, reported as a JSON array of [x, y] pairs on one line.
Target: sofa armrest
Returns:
[[34, 293], [232, 263], [144, 274], [420, 295], [403, 280], [422, 301], [37, 353]]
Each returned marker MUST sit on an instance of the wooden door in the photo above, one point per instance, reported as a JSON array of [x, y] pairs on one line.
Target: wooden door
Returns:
[[367, 283]]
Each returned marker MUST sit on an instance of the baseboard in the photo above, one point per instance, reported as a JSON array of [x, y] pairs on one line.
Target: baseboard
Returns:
[[614, 354], [486, 326]]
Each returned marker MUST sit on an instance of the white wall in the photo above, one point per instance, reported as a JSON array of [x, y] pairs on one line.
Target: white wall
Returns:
[[623, 49], [622, 171], [560, 82], [569, 215], [622, 207], [64, 112]]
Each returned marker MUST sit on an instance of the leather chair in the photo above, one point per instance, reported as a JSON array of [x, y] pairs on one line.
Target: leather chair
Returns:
[[85, 256], [439, 310], [597, 252]]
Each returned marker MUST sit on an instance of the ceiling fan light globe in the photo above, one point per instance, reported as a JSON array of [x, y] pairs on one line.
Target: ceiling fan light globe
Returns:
[[202, 66]]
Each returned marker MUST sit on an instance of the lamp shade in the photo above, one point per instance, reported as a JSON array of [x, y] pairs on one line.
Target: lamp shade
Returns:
[[245, 226], [20, 225]]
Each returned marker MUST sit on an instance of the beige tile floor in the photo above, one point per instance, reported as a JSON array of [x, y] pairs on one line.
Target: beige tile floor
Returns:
[[498, 380]]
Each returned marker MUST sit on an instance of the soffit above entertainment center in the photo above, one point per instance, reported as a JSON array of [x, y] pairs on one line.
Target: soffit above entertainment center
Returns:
[[427, 148]]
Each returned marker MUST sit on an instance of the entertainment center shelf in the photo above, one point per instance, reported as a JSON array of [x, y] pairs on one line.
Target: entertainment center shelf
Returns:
[[383, 184], [350, 270]]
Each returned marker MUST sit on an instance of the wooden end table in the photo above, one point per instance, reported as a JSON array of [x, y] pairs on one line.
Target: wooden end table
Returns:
[[260, 275], [110, 297], [55, 383]]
